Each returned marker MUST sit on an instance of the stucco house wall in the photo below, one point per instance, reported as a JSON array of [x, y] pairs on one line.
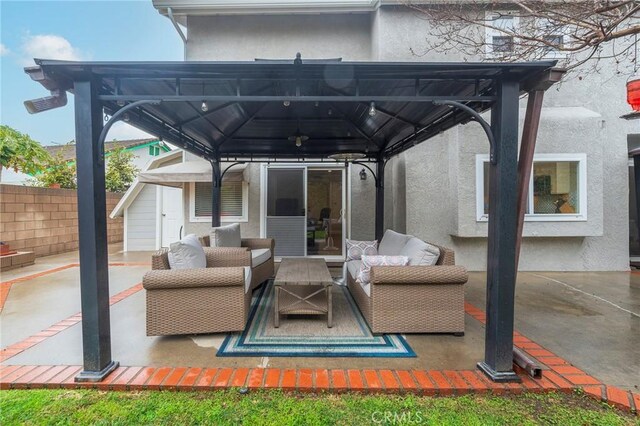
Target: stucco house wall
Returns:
[[581, 115], [240, 38], [431, 190]]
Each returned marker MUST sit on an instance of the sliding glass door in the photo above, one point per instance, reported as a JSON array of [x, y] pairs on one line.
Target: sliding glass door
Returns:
[[325, 193], [304, 210]]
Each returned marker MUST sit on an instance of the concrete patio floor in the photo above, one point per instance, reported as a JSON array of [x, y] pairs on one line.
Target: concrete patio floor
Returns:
[[592, 320]]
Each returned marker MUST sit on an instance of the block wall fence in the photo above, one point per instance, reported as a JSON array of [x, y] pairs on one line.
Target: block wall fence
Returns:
[[45, 220]]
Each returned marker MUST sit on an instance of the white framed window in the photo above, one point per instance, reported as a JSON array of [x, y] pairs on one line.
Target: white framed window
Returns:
[[234, 201], [499, 41], [557, 189]]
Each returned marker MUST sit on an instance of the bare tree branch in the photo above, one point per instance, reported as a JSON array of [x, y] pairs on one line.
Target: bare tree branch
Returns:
[[574, 32]]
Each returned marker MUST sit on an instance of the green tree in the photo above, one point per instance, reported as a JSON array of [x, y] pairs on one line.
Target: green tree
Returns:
[[58, 171], [21, 153], [120, 171]]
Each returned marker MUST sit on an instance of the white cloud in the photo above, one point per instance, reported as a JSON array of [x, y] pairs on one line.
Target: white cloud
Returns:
[[3, 50], [123, 131], [49, 46]]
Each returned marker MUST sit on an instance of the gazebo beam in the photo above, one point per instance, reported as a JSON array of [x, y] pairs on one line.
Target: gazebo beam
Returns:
[[501, 262], [301, 98], [92, 231]]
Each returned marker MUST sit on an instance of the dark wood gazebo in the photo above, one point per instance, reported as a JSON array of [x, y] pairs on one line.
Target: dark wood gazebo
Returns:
[[232, 111]]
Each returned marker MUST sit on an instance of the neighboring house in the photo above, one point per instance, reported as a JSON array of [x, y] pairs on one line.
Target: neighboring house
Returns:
[[150, 210], [578, 209], [143, 151]]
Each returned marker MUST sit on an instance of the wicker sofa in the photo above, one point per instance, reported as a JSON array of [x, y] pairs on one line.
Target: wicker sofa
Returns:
[[216, 299], [412, 299]]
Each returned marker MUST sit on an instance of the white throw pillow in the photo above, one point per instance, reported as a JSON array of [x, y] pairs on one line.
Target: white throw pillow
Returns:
[[392, 243], [364, 276], [355, 249], [187, 254], [225, 236], [420, 253]]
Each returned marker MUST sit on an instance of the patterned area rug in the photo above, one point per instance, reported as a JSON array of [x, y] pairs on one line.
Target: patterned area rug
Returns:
[[309, 336]]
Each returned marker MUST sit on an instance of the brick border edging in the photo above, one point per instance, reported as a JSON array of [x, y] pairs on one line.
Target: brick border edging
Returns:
[[562, 373], [417, 382]]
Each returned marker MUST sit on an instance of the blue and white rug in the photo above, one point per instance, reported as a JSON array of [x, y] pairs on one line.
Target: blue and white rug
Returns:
[[309, 336]]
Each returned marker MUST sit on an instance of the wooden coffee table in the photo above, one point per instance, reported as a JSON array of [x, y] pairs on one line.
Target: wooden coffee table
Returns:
[[303, 287]]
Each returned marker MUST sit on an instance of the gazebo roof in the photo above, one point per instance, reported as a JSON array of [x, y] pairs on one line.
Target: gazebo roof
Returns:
[[250, 110]]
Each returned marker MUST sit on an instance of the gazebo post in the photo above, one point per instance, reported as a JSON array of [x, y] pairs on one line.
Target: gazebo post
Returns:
[[92, 230], [216, 186], [501, 262], [379, 198], [525, 159]]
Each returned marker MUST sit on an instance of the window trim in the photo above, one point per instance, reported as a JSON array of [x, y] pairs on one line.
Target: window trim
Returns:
[[489, 33], [223, 219], [554, 53], [581, 159]]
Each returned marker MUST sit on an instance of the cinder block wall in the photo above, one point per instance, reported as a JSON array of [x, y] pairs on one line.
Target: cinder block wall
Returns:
[[45, 220]]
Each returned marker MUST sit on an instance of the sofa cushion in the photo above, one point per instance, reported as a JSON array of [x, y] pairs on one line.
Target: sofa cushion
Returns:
[[420, 253], [355, 249], [353, 267], [392, 243], [225, 236], [259, 256], [370, 261], [187, 254], [247, 278]]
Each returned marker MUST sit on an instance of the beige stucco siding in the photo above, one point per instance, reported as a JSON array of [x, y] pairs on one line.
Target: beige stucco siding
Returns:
[[241, 38]]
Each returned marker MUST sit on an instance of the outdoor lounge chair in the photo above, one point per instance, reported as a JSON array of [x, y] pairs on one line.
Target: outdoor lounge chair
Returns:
[[413, 299], [215, 299]]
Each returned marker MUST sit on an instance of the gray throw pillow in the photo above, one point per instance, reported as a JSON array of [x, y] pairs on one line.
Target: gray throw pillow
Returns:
[[187, 254], [225, 236], [392, 243], [420, 253]]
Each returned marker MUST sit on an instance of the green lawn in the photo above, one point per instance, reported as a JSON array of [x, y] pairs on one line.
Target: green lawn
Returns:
[[275, 408]]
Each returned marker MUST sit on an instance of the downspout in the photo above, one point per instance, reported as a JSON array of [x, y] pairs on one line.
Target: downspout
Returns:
[[178, 29]]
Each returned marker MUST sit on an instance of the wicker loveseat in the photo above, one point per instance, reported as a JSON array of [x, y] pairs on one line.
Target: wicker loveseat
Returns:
[[216, 299], [412, 299]]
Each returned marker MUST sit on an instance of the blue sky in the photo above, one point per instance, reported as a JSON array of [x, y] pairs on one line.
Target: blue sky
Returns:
[[84, 30]]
